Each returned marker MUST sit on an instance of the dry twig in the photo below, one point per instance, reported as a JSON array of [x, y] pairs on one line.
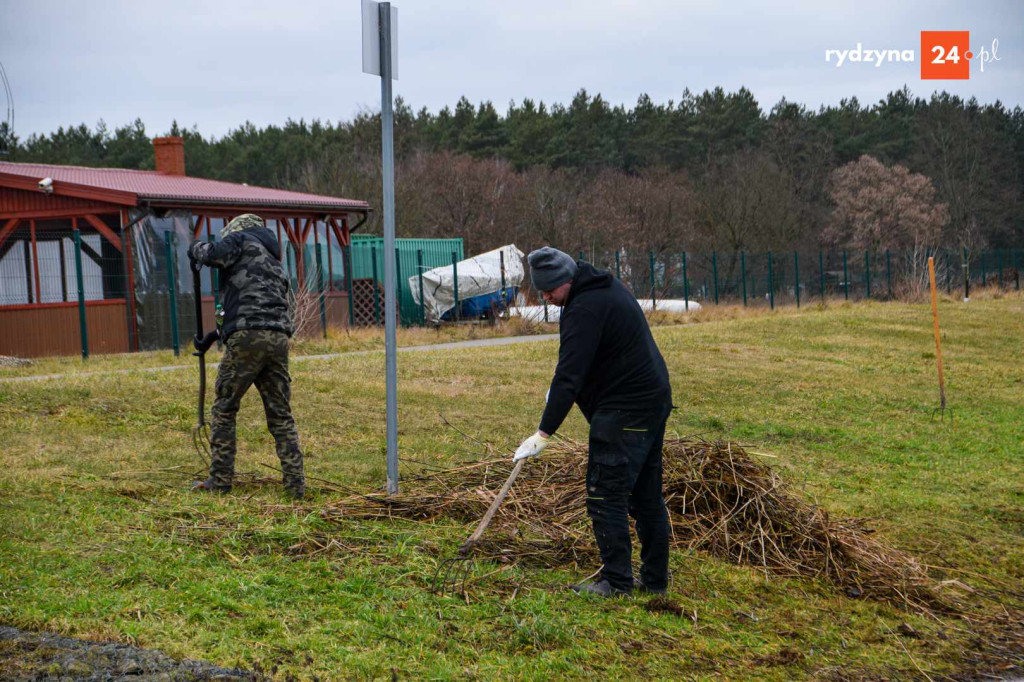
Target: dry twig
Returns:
[[721, 501]]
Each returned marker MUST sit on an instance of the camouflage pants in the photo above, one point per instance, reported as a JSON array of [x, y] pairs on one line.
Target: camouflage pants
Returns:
[[255, 356]]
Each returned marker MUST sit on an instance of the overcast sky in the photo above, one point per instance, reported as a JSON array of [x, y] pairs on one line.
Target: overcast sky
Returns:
[[218, 63]]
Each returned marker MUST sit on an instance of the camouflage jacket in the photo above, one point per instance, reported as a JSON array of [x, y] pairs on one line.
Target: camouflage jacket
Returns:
[[253, 282]]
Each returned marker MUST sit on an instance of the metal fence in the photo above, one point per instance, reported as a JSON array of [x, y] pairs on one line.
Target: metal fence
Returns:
[[802, 277], [65, 290], [412, 257], [57, 282]]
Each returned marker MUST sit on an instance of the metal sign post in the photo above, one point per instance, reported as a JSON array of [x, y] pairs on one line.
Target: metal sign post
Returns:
[[386, 19]]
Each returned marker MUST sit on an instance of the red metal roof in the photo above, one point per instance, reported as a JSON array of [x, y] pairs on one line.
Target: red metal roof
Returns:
[[123, 186]]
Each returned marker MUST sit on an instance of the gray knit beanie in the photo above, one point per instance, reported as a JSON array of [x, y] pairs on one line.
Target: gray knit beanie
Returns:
[[550, 268]]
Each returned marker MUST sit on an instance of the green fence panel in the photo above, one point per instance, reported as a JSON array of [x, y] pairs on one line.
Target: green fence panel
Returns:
[[435, 253]]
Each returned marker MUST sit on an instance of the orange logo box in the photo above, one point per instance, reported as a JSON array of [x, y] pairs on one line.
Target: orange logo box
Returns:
[[945, 55]]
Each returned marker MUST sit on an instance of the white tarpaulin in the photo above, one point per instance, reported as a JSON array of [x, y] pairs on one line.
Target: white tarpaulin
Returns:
[[535, 313], [477, 276]]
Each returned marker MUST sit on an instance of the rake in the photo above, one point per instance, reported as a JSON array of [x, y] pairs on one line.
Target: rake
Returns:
[[452, 574]]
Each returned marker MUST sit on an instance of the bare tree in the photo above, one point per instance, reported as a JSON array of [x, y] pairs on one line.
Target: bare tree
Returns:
[[747, 202], [305, 312], [882, 207], [459, 195]]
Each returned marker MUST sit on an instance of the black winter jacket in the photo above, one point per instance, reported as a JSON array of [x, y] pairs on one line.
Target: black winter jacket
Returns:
[[607, 359], [255, 286]]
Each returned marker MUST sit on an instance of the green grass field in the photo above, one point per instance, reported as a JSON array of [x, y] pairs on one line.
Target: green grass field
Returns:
[[99, 537]]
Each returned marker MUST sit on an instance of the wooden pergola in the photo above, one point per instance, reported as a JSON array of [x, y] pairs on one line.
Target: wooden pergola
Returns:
[[42, 204]]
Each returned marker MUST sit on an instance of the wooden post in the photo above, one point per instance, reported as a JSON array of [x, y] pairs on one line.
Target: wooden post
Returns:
[[320, 286], [346, 251], [300, 254], [127, 239], [330, 262]]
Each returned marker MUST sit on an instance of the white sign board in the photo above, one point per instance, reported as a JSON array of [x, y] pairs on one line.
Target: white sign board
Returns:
[[371, 39]]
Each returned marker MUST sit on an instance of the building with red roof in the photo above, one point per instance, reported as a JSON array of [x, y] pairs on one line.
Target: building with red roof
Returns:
[[133, 227]]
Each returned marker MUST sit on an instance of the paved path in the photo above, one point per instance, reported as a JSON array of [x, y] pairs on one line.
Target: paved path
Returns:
[[477, 343]]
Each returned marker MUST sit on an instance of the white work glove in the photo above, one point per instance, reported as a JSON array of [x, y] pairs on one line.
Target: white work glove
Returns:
[[531, 447]]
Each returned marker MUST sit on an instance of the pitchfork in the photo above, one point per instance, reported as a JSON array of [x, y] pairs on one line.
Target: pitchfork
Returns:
[[452, 574], [200, 432]]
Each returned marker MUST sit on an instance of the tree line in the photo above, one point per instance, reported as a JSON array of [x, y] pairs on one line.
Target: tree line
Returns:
[[710, 171]]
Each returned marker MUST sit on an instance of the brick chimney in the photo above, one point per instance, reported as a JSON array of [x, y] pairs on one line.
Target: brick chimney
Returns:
[[170, 155]]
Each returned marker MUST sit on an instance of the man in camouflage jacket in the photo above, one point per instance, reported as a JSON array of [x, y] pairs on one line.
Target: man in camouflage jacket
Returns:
[[256, 328]]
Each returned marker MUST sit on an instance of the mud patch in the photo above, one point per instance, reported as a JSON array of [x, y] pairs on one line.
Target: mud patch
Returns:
[[663, 605], [784, 656], [32, 656]]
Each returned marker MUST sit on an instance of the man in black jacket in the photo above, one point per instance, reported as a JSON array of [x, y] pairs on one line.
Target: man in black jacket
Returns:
[[256, 328], [609, 365]]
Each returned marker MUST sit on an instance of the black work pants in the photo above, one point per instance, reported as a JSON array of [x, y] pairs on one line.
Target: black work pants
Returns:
[[624, 478]]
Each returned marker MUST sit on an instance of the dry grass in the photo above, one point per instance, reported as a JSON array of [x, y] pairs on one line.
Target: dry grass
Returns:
[[721, 500]]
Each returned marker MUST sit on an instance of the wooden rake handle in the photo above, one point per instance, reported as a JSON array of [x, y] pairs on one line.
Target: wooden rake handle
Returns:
[[486, 520]]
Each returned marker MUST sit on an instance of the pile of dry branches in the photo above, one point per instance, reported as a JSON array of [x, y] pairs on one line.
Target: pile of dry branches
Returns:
[[721, 500]]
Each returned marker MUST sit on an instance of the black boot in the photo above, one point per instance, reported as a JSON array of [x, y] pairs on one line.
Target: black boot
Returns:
[[602, 588], [294, 486], [209, 486], [638, 586]]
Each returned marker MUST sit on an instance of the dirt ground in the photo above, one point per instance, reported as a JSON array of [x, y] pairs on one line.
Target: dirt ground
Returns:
[[31, 656]]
